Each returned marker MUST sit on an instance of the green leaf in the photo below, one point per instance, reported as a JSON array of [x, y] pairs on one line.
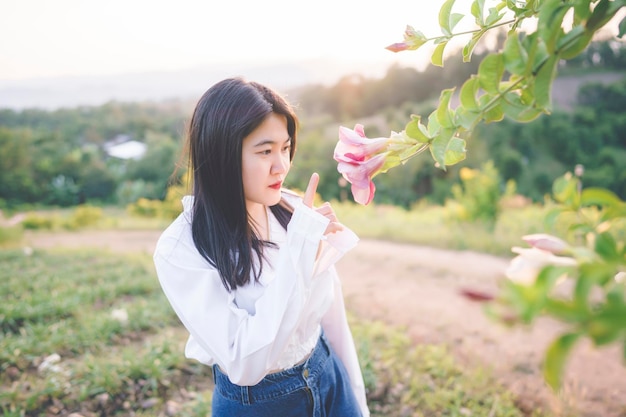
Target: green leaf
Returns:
[[600, 273], [551, 217], [514, 55], [477, 11], [582, 289], [467, 95], [439, 146], [622, 32], [565, 190], [404, 155], [614, 212], [494, 113], [437, 56], [493, 16], [433, 124], [549, 22], [490, 72], [444, 115], [574, 42], [537, 52], [566, 311], [416, 130], [582, 11], [606, 247], [444, 17], [607, 326], [543, 84], [468, 49], [455, 18], [515, 109], [455, 152], [556, 357], [599, 197], [603, 13], [467, 119]]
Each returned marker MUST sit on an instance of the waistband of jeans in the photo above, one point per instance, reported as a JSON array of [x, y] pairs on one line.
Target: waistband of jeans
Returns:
[[278, 383]]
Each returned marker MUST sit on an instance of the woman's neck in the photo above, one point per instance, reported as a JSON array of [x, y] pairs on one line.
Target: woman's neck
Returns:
[[260, 221]]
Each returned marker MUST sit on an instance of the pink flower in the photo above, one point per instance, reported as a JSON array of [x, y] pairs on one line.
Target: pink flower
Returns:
[[525, 267], [546, 242], [413, 39], [359, 161], [398, 47]]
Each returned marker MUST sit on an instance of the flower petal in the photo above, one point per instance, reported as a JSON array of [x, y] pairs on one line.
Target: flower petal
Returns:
[[546, 242], [364, 195]]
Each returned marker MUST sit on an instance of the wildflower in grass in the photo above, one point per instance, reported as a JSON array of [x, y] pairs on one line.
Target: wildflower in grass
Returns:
[[359, 160], [50, 363], [120, 314]]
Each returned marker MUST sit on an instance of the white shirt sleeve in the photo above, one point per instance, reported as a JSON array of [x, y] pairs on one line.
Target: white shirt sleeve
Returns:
[[245, 346]]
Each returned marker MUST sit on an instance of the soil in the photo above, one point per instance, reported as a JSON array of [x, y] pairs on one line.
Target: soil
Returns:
[[418, 288]]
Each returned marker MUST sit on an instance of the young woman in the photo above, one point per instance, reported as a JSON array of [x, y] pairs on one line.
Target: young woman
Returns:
[[249, 266]]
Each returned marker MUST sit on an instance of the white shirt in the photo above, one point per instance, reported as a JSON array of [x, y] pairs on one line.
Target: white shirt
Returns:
[[270, 324]]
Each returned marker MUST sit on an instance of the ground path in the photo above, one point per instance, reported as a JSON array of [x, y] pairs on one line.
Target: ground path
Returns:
[[418, 288]]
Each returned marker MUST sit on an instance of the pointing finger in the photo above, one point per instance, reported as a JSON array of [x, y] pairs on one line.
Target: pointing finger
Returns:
[[309, 194]]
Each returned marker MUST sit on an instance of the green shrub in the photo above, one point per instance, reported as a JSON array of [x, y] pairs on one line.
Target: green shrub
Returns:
[[34, 221], [477, 197], [84, 216]]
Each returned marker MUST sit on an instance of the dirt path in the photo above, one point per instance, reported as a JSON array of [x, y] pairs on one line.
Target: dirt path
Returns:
[[418, 288]]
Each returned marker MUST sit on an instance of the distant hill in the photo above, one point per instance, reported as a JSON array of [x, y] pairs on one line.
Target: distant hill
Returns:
[[53, 93]]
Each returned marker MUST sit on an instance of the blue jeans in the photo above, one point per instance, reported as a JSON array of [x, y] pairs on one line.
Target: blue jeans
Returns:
[[319, 387]]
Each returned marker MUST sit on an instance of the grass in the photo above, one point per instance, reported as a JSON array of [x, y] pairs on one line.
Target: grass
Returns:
[[433, 226], [66, 346], [425, 380]]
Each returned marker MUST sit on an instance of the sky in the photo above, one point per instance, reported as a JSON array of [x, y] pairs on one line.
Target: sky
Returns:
[[63, 38]]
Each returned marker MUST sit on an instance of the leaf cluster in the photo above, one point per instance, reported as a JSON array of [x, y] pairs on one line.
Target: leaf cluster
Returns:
[[514, 82]]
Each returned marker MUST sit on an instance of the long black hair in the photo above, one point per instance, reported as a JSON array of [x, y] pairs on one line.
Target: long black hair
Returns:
[[228, 112]]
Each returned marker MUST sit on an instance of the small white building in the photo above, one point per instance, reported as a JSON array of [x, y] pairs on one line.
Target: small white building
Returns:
[[124, 147]]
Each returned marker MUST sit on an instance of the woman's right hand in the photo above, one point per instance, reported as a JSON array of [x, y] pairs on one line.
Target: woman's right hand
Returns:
[[325, 209]]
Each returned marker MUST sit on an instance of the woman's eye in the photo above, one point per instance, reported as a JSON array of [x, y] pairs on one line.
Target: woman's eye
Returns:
[[287, 148]]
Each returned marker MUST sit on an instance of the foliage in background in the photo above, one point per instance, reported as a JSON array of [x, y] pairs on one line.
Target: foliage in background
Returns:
[[477, 197], [58, 158]]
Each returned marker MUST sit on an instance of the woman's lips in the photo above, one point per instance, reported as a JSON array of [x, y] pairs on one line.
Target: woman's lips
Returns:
[[276, 185]]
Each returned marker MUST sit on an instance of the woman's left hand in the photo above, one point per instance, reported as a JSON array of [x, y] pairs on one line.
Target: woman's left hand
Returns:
[[325, 209]]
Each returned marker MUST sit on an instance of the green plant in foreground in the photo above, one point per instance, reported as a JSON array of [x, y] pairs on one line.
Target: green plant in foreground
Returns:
[[582, 284], [516, 83]]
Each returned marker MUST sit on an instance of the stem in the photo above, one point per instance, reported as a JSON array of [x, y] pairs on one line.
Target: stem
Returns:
[[469, 32], [419, 151]]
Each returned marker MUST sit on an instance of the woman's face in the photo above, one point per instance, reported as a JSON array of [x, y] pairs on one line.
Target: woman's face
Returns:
[[265, 161]]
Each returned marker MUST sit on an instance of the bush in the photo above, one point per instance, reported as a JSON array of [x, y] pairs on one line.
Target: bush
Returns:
[[84, 216], [477, 197], [34, 221]]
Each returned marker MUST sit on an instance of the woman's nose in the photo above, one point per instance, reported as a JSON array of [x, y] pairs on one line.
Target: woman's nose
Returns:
[[280, 164]]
